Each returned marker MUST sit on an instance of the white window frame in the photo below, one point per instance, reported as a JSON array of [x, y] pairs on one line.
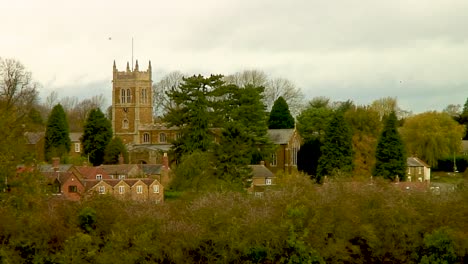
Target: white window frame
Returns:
[[419, 170], [121, 189], [156, 188], [129, 96], [99, 177], [122, 96], [139, 189], [77, 147], [102, 189], [267, 181], [274, 160], [121, 177]]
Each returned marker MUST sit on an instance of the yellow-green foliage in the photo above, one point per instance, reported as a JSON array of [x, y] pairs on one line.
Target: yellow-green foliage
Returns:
[[298, 222]]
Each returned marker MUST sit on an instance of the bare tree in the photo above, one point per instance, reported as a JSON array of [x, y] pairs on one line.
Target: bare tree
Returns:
[[253, 77], [17, 90], [161, 102], [51, 100], [288, 90]]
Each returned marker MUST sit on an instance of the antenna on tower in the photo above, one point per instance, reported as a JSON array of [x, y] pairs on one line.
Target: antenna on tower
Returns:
[[132, 53]]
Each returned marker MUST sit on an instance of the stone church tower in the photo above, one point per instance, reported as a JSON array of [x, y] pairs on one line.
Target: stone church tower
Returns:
[[132, 102]]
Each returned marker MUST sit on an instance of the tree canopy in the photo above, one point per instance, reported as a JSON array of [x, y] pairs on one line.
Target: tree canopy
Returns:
[[390, 153], [97, 134], [432, 135], [57, 139], [280, 117], [113, 150], [337, 149]]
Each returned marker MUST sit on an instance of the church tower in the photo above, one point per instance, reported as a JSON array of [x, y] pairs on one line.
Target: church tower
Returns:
[[132, 102]]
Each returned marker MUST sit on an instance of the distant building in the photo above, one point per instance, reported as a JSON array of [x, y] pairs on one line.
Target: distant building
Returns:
[[418, 170]]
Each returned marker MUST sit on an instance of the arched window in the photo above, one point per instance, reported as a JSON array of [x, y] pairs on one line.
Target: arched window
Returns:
[[162, 137], [129, 96], [125, 124], [122, 96], [146, 138]]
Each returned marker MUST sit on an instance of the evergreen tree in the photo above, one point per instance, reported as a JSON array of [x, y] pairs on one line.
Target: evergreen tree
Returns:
[[97, 134], [390, 153], [233, 154], [337, 149], [280, 117], [192, 113], [113, 150], [57, 139], [244, 109]]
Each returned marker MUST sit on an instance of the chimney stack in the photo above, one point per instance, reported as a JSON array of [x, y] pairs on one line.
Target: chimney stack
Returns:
[[165, 161]]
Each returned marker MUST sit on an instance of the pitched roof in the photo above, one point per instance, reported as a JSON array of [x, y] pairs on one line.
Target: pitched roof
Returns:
[[50, 167], [34, 137], [123, 169], [90, 172], [280, 136], [75, 136], [260, 171], [154, 147], [61, 176], [415, 162], [151, 169]]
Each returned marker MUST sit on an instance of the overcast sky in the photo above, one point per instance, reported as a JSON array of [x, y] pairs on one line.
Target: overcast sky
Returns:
[[362, 50]]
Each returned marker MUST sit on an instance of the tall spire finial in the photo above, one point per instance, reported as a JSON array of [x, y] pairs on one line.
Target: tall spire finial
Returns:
[[115, 67], [136, 65], [149, 66], [128, 67]]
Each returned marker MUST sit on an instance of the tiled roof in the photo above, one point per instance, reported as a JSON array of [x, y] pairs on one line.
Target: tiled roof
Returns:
[[75, 136], [280, 136], [415, 162], [151, 169], [61, 176], [34, 137], [260, 171], [118, 168], [157, 147], [50, 168], [90, 172]]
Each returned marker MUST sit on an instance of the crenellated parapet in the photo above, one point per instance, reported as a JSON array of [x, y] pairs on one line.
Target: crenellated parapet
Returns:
[[134, 74]]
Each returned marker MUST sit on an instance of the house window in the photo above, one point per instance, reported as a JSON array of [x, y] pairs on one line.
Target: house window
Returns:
[[125, 124], [122, 96], [268, 181], [146, 138], [409, 170], [156, 188], [129, 96], [121, 189], [419, 170], [178, 135], [99, 177], [162, 137], [121, 176], [77, 147], [102, 189], [274, 160], [72, 189], [139, 189]]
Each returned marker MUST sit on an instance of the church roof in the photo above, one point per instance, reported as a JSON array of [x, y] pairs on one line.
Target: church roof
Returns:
[[280, 136]]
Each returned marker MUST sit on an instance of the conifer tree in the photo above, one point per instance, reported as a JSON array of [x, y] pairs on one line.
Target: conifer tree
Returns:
[[390, 153], [337, 149], [97, 134], [280, 117], [113, 150], [57, 139]]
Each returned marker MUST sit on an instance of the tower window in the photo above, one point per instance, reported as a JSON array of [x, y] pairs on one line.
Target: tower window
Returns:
[[129, 96], [162, 137], [144, 96], [294, 151], [146, 138], [122, 96], [125, 124]]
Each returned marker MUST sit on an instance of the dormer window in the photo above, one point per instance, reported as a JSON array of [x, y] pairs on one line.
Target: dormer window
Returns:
[[99, 177]]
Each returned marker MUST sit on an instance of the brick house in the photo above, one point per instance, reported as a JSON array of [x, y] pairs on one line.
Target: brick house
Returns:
[[66, 184], [288, 143], [262, 179], [418, 170], [144, 189]]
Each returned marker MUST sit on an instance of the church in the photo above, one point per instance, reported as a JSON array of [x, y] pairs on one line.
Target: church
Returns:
[[147, 141]]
